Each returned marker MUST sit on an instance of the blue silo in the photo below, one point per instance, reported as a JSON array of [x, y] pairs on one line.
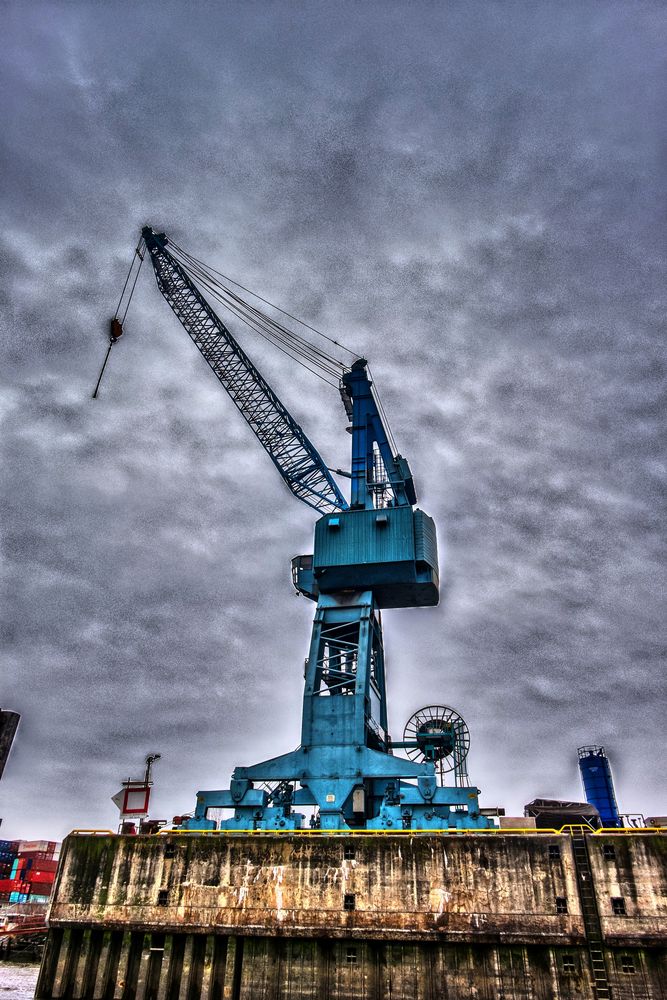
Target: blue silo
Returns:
[[599, 784]]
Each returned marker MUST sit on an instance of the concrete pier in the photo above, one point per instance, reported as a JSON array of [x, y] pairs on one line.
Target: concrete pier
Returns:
[[362, 917]]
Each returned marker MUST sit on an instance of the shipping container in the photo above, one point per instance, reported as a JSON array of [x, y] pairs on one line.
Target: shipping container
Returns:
[[40, 876], [41, 888], [9, 845], [38, 899], [13, 885], [38, 845], [44, 866], [18, 897]]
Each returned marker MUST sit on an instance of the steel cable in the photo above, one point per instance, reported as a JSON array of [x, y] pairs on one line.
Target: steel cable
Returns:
[[315, 360], [263, 323], [284, 346], [267, 302]]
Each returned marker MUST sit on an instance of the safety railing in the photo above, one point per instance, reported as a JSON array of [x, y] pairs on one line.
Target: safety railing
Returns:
[[92, 833], [491, 831]]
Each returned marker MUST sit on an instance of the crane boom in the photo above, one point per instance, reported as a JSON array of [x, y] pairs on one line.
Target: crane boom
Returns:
[[295, 457]]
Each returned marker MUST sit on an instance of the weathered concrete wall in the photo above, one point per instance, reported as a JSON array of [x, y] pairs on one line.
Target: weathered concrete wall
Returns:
[[421, 887], [217, 967], [248, 918], [637, 874]]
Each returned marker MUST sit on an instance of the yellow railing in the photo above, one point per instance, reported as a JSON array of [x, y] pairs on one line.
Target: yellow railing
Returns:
[[565, 830], [91, 833]]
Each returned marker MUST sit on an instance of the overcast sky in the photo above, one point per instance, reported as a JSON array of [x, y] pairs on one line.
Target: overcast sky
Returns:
[[470, 195]]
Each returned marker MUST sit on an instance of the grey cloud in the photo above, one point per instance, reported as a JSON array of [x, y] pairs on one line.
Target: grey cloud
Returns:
[[469, 197]]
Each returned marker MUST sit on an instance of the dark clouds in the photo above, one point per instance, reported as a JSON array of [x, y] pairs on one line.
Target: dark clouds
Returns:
[[472, 197]]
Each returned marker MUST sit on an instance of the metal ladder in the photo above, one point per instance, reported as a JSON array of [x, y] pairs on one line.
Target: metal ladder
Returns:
[[591, 917]]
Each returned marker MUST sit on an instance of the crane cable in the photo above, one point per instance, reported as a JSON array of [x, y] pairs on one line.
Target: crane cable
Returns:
[[282, 343], [116, 328], [194, 262], [138, 255], [285, 339], [296, 319], [263, 324], [382, 412], [295, 347]]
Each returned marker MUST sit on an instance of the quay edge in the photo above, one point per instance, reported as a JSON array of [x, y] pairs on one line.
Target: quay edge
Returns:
[[362, 917]]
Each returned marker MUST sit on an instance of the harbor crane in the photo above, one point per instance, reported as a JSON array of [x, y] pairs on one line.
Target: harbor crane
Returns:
[[378, 550]]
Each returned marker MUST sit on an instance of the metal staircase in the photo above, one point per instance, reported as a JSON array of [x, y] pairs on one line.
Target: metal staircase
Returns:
[[591, 917]]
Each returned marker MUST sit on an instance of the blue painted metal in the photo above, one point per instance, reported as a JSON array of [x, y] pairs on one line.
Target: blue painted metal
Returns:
[[377, 553], [599, 784], [376, 471], [391, 550], [345, 765]]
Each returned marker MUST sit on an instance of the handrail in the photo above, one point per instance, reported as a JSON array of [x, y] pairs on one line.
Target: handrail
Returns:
[[563, 831], [105, 833]]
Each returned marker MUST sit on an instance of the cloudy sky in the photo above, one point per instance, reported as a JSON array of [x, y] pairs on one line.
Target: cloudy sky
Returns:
[[472, 196]]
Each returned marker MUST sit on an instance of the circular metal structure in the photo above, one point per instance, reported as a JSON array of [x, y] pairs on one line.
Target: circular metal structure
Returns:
[[440, 734]]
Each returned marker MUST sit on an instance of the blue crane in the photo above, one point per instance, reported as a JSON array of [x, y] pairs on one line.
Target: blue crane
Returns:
[[377, 551]]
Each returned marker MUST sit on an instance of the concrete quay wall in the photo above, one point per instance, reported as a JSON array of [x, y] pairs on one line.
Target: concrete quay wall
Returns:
[[364, 916]]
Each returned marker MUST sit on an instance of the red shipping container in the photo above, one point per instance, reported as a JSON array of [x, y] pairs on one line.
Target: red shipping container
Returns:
[[13, 885], [41, 888], [42, 866], [35, 855], [37, 875]]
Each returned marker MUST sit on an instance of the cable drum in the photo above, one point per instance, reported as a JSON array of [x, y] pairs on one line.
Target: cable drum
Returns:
[[441, 735]]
